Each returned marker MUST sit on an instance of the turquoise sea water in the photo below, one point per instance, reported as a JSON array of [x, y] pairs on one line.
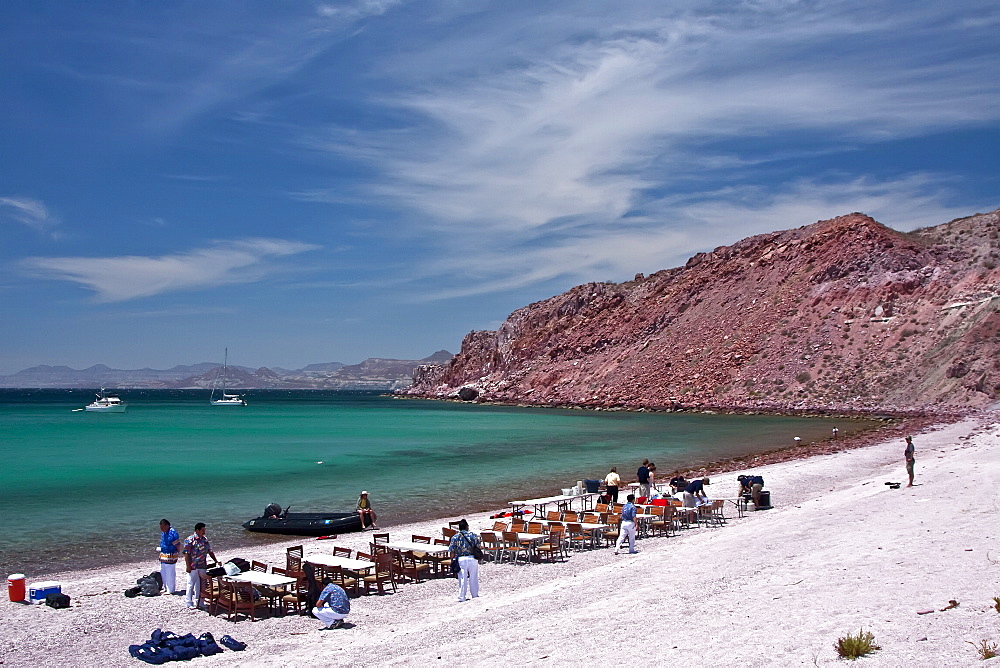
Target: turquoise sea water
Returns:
[[82, 489]]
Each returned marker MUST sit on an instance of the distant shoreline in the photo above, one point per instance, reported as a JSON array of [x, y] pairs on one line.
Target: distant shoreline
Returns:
[[902, 421]]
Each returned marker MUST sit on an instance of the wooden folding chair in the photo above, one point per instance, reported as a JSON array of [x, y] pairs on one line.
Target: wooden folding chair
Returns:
[[295, 595], [578, 537], [238, 597], [409, 567], [383, 574], [659, 524], [209, 592], [551, 549], [514, 546], [344, 579], [611, 534], [491, 545], [557, 534]]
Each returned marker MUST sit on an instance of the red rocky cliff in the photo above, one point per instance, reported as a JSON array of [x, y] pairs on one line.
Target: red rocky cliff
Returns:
[[844, 314]]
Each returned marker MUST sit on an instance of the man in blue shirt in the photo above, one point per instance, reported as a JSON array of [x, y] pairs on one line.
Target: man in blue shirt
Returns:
[[627, 526], [332, 606], [170, 551], [694, 493]]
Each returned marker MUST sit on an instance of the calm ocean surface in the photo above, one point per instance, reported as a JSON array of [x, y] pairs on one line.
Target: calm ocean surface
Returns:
[[85, 489]]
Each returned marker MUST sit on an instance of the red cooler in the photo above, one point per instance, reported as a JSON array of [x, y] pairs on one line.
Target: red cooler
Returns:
[[15, 587]]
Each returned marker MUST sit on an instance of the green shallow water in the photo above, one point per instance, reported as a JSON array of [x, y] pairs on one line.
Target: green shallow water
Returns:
[[85, 489]]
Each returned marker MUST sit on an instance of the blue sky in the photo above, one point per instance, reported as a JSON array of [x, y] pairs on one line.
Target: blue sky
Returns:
[[328, 181]]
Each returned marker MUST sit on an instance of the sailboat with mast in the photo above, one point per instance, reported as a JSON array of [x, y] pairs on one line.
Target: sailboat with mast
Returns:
[[225, 399]]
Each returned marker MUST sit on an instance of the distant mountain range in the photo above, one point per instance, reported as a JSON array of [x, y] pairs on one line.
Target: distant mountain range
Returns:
[[373, 374]]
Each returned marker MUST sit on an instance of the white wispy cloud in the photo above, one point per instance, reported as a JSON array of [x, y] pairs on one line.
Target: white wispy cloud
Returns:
[[27, 211], [236, 67], [678, 227], [599, 148], [115, 279]]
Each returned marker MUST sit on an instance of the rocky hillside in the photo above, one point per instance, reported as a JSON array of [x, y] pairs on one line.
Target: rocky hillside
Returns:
[[844, 314]]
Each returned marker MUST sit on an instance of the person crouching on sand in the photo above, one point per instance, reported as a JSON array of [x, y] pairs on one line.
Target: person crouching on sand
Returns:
[[332, 606], [365, 512]]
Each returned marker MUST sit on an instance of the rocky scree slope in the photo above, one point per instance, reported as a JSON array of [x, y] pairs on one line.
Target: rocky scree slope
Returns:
[[841, 315]]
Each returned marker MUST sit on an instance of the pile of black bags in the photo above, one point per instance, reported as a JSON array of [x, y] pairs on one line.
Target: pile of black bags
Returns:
[[164, 646], [147, 585]]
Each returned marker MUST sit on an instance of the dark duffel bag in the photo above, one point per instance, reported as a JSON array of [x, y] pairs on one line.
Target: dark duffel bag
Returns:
[[57, 600]]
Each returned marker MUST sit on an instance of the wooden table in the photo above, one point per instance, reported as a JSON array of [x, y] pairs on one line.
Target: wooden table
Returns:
[[263, 579], [348, 564], [272, 580], [563, 502], [430, 548]]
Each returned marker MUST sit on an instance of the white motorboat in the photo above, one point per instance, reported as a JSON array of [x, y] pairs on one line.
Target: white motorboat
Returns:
[[106, 403], [225, 399]]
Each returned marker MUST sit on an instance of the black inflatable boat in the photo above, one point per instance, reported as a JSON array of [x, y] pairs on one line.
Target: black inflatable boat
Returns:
[[303, 524]]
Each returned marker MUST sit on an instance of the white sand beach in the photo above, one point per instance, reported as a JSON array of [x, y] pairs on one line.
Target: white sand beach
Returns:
[[839, 551]]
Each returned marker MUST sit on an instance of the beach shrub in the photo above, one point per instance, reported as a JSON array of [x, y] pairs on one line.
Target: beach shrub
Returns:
[[851, 647], [986, 649]]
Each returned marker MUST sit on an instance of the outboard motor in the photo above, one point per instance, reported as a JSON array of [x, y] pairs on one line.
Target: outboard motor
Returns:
[[273, 511]]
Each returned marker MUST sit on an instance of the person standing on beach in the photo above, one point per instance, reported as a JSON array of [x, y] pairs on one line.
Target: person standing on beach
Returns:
[[460, 547], [197, 549], [910, 459], [365, 512], [652, 481], [627, 526], [170, 551], [613, 481], [642, 475], [332, 605]]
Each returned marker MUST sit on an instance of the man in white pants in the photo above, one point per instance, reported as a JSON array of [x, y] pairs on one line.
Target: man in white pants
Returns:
[[170, 544], [197, 549], [461, 547], [627, 526], [332, 606]]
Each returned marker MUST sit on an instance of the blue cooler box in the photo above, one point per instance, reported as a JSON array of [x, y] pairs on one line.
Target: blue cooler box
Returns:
[[39, 590]]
